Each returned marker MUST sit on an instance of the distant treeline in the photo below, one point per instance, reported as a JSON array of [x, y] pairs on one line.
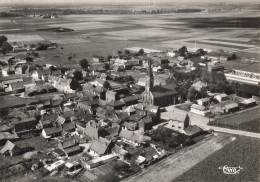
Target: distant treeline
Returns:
[[7, 14], [189, 10]]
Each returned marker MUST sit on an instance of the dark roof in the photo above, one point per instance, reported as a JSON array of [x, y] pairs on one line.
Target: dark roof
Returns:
[[17, 85], [52, 130], [130, 98], [160, 91], [26, 120], [115, 103], [192, 130], [68, 126], [72, 149], [11, 77], [113, 131], [69, 143]]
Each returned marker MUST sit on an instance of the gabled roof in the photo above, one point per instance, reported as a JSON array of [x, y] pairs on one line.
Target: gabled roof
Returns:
[[52, 130], [198, 107], [115, 103], [130, 98], [99, 146], [8, 146], [17, 85], [178, 116], [69, 143], [160, 91], [68, 126], [192, 130], [113, 131], [231, 105], [60, 120], [133, 136]]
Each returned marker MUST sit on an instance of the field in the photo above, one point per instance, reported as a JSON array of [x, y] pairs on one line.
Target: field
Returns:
[[242, 152], [106, 34]]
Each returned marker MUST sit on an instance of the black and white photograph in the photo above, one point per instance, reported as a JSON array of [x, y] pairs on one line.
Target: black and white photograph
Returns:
[[129, 91]]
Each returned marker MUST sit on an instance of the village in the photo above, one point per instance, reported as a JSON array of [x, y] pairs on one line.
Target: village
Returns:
[[110, 117]]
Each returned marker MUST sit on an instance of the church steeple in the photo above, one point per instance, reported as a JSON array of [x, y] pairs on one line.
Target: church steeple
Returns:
[[149, 82]]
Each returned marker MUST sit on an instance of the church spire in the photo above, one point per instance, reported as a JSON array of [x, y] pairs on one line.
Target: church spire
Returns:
[[149, 82]]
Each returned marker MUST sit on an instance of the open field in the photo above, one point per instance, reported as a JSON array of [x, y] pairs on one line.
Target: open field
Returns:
[[242, 152], [105, 34]]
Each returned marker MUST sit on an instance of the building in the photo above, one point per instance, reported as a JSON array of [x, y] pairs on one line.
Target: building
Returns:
[[248, 103], [135, 138], [15, 148], [100, 147], [198, 109], [231, 107], [178, 122], [215, 66], [51, 132], [25, 127], [98, 59], [158, 95], [221, 97], [203, 101]]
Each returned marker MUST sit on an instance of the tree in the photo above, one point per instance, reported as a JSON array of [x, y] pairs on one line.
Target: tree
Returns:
[[183, 50], [200, 52], [107, 85], [83, 63], [29, 59], [6, 47], [2, 40], [74, 85], [24, 68], [109, 57], [120, 167], [119, 52], [107, 66], [141, 52], [127, 51], [77, 75], [192, 93]]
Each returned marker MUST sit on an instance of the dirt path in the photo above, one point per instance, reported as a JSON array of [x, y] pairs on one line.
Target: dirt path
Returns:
[[177, 164]]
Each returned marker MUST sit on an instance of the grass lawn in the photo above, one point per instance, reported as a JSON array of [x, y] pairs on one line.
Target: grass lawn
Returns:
[[243, 152]]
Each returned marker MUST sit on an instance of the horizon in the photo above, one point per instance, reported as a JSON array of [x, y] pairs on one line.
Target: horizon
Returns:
[[122, 2]]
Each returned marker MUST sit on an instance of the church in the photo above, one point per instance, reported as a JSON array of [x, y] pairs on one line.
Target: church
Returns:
[[161, 96]]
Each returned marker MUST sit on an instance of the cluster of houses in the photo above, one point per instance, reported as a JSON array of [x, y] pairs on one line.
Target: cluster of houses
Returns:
[[104, 123]]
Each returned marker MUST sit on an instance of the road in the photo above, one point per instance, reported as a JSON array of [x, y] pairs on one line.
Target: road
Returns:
[[230, 131], [177, 164]]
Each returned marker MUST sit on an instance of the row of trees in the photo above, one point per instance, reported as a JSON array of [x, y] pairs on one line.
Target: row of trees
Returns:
[[5, 47]]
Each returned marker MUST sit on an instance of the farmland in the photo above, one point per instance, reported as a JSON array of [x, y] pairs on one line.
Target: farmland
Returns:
[[242, 152], [105, 34]]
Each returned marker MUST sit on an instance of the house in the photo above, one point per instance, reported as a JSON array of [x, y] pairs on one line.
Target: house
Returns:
[[17, 87], [98, 59], [69, 127], [198, 109], [98, 82], [51, 132], [62, 84], [215, 66], [25, 127], [221, 97], [70, 147], [130, 100], [178, 122], [130, 125], [93, 130], [248, 103], [5, 136], [199, 85], [115, 105], [100, 147], [111, 96], [170, 54], [203, 101], [15, 148], [130, 110], [97, 90], [135, 138], [120, 152], [231, 107]]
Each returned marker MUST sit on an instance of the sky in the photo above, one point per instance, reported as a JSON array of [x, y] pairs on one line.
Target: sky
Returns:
[[121, 1]]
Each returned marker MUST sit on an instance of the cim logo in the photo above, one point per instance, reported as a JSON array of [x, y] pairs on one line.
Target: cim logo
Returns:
[[230, 170]]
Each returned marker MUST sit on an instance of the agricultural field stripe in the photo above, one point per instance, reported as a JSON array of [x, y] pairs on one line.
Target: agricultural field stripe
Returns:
[[233, 41], [218, 44], [229, 43]]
